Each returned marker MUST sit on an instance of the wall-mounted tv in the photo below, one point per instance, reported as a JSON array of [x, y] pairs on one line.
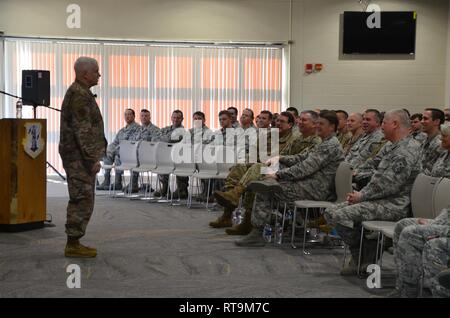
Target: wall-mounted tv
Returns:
[[397, 34]]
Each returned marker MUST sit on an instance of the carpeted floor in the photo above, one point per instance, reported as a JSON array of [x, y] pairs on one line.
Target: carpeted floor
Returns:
[[155, 250]]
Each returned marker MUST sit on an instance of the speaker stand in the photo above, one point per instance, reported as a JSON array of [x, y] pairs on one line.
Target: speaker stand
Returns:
[[49, 165]]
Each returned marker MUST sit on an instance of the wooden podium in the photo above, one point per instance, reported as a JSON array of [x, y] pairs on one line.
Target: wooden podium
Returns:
[[23, 186]]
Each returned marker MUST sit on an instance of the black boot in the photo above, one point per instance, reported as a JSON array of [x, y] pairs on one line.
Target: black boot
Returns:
[[134, 184], [118, 182]]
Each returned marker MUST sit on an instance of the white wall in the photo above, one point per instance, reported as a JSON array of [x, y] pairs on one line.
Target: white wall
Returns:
[[447, 81], [351, 84], [381, 82]]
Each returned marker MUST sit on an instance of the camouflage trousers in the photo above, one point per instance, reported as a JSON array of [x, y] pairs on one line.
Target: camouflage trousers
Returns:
[[182, 182], [81, 184], [347, 220], [401, 225], [112, 157], [350, 214], [235, 175], [291, 191], [417, 256]]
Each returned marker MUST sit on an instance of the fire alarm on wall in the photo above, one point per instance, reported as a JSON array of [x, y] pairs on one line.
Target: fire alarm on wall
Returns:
[[318, 67], [308, 68]]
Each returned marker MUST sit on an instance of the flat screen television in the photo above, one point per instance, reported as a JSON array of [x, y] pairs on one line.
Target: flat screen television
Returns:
[[397, 34]]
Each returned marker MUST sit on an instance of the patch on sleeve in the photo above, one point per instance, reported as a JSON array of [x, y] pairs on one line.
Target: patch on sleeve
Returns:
[[399, 165]]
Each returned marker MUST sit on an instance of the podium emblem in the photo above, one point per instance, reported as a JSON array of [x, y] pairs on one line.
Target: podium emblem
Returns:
[[33, 144]]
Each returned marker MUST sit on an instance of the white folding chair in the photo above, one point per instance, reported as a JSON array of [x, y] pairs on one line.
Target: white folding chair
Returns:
[[184, 164], [164, 163], [441, 196], [128, 159], [343, 185], [206, 169], [104, 168], [147, 162]]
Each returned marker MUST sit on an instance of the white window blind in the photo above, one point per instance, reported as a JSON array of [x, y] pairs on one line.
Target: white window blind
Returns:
[[160, 78]]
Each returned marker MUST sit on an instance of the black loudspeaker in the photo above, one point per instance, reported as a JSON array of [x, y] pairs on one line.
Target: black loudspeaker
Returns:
[[36, 87]]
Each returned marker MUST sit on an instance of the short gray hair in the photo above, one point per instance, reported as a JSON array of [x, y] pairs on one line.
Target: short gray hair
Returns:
[[358, 115], [445, 129], [84, 64], [401, 115]]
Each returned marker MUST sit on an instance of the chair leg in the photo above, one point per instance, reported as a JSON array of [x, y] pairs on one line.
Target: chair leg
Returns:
[[421, 283], [189, 200], [304, 233], [345, 254], [207, 194], [114, 185], [360, 249], [282, 221], [382, 248], [378, 244], [294, 219]]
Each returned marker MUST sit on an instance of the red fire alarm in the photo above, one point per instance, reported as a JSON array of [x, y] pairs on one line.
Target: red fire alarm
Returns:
[[308, 68], [318, 67]]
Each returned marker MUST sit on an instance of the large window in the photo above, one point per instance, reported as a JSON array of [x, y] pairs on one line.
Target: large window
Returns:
[[160, 78]]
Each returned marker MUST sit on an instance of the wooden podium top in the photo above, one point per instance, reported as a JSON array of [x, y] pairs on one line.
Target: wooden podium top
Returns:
[[23, 187]]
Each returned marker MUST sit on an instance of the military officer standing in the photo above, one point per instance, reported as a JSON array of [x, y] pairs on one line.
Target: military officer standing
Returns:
[[82, 145]]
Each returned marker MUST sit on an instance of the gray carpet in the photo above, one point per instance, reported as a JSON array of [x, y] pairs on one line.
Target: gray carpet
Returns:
[[155, 250]]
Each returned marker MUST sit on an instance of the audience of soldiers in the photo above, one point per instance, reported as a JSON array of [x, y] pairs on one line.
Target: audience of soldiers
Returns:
[[386, 151]]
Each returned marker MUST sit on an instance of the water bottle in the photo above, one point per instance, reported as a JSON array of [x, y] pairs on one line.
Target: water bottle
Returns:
[[238, 216], [19, 109], [278, 234], [289, 215], [267, 233]]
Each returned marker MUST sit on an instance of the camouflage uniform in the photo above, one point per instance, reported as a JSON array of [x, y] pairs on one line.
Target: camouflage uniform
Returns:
[[419, 136], [219, 138], [422, 250], [296, 131], [431, 151], [441, 167], [149, 132], [82, 143], [131, 132], [352, 141], [165, 135], [206, 135], [386, 196], [344, 138], [305, 176], [288, 145], [365, 148], [235, 125]]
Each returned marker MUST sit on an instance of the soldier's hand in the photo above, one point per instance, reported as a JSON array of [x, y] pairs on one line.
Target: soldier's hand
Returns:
[[354, 197], [96, 167], [273, 161], [422, 222], [271, 176]]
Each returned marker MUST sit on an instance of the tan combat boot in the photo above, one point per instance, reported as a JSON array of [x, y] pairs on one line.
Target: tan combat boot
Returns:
[[224, 220], [244, 228], [77, 250], [229, 199]]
